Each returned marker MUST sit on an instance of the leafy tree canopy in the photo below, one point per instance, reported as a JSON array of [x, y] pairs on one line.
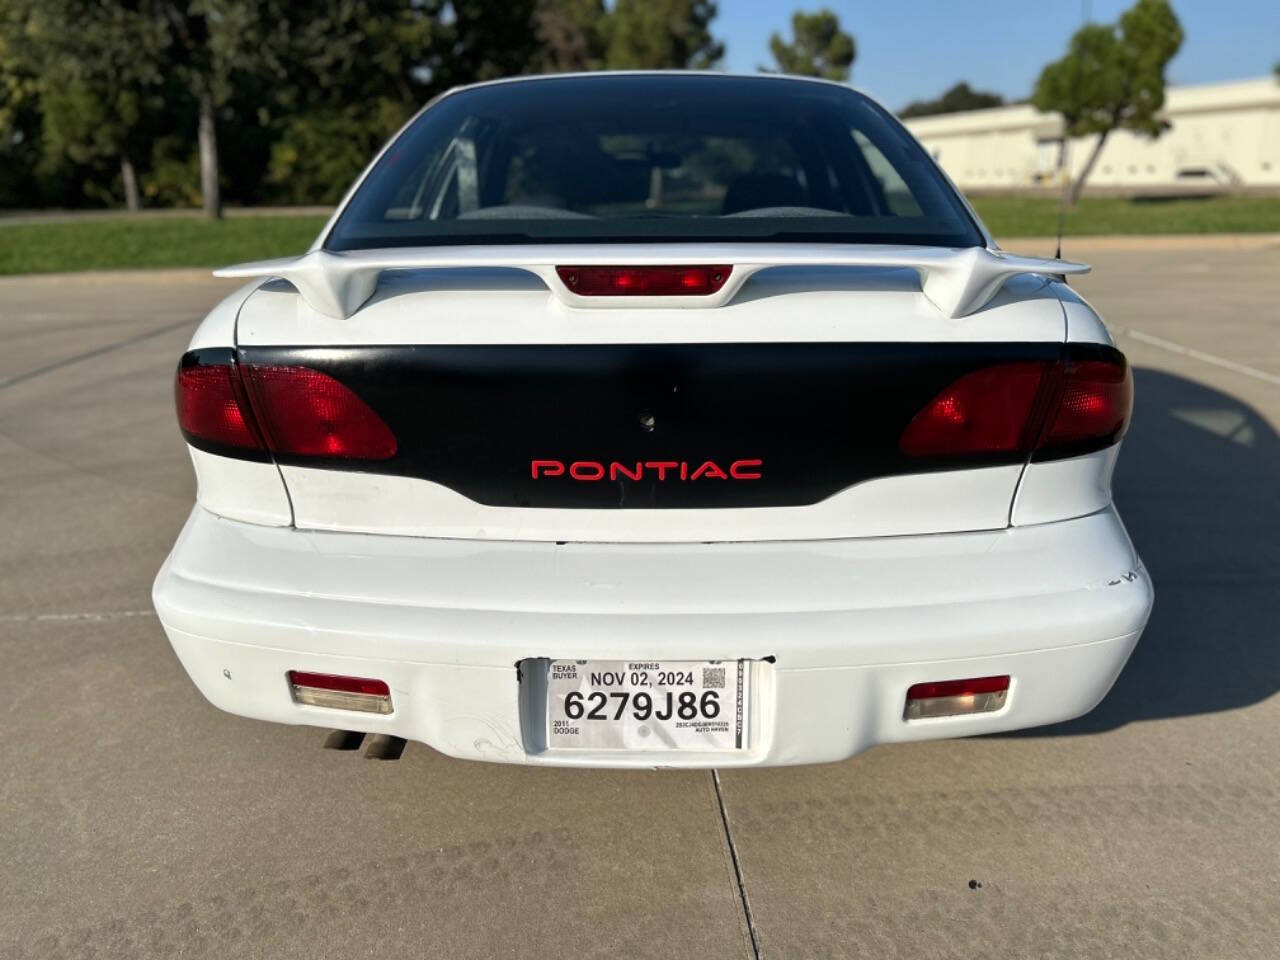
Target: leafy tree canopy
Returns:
[[572, 35], [819, 47], [269, 100], [959, 98], [1113, 76], [99, 81], [19, 105], [661, 35], [357, 71], [90, 71]]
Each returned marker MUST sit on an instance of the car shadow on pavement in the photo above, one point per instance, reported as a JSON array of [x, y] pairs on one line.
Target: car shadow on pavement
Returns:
[[1198, 486]]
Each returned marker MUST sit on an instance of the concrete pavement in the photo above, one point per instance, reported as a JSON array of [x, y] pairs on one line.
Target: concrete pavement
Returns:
[[137, 821]]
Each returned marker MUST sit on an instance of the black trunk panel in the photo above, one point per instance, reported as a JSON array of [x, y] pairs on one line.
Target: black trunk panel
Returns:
[[820, 416]]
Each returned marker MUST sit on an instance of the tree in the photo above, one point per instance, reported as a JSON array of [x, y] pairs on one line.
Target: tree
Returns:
[[304, 89], [479, 40], [99, 93], [819, 47], [348, 79], [1112, 78], [95, 78], [959, 98], [661, 34], [359, 69], [572, 35], [101, 81], [211, 42], [19, 113]]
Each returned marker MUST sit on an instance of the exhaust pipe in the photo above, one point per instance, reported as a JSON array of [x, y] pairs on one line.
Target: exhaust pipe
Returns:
[[384, 747], [343, 740]]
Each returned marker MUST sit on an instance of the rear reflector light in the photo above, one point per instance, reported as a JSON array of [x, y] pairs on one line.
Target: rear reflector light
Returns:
[[953, 698], [211, 405], [340, 693], [691, 281], [1026, 407], [308, 413], [292, 411]]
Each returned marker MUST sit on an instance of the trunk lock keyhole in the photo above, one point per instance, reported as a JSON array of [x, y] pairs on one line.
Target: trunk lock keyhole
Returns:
[[647, 421]]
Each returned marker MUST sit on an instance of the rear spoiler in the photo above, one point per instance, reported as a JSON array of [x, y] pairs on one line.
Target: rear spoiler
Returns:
[[958, 281]]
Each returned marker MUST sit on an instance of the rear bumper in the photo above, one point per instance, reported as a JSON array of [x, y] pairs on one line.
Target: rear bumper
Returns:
[[839, 629]]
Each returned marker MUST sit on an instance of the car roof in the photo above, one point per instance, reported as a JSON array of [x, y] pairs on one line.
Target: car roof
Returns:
[[778, 78]]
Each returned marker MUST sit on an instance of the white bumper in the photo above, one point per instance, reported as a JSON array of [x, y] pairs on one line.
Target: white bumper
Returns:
[[840, 628]]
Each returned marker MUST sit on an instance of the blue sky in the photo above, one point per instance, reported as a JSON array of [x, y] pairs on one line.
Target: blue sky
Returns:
[[913, 49]]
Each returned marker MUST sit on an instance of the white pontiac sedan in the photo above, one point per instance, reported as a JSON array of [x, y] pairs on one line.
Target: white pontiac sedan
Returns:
[[654, 419]]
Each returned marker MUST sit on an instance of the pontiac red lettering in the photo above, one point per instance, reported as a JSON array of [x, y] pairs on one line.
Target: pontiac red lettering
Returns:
[[661, 471]]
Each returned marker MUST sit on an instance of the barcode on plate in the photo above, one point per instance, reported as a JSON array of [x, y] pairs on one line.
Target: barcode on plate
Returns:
[[713, 678]]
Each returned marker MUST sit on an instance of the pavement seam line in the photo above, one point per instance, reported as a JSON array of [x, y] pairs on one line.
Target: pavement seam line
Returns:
[[1174, 347], [41, 617], [70, 361], [737, 867]]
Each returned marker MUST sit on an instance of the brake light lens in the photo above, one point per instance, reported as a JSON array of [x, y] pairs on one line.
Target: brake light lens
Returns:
[[986, 411], [953, 698], [290, 410], [211, 406], [310, 414], [1097, 401], [684, 281], [1025, 408]]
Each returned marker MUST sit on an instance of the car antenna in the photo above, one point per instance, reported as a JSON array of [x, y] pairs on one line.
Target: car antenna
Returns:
[[1062, 214], [1066, 167]]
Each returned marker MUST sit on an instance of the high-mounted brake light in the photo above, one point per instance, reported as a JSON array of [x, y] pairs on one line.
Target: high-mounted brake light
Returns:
[[669, 281], [339, 693], [953, 698], [290, 410], [1026, 407]]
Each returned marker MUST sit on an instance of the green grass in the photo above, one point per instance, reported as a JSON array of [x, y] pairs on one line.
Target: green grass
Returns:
[[120, 243], [181, 241], [1013, 216]]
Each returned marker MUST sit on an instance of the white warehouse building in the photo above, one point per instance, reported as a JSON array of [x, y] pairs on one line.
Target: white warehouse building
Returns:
[[1221, 135]]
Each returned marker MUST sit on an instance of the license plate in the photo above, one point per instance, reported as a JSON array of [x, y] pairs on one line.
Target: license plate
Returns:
[[647, 704]]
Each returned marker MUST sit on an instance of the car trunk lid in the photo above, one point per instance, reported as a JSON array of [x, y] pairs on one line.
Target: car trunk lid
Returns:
[[777, 414]]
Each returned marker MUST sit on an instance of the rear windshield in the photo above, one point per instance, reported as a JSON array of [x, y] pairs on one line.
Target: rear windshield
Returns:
[[654, 158]]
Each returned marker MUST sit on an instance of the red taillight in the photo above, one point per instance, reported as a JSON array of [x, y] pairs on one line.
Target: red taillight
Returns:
[[329, 681], [957, 688], [691, 281], [211, 406], [308, 413], [952, 698], [290, 410], [1025, 407], [1097, 400], [986, 411]]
